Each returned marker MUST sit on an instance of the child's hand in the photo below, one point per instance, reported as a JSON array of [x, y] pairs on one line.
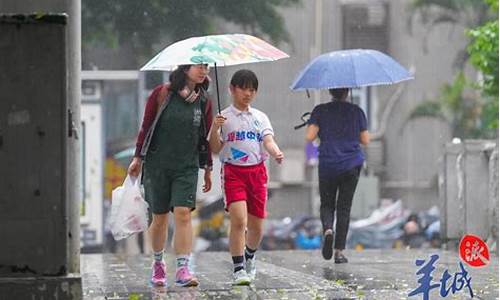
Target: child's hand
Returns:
[[219, 121], [279, 157]]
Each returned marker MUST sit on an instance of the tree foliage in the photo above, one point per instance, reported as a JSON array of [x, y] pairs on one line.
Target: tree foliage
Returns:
[[469, 116], [483, 52], [142, 25]]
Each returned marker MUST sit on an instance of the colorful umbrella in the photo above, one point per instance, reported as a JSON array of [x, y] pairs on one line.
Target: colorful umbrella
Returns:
[[216, 50]]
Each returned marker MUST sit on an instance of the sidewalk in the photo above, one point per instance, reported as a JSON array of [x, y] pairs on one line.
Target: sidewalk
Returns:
[[370, 274]]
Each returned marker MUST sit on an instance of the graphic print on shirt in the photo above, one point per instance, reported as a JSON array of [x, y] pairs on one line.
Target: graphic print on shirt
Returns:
[[243, 137], [256, 124], [239, 155], [197, 116]]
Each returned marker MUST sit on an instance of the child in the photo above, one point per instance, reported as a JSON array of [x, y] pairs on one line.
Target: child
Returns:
[[246, 136]]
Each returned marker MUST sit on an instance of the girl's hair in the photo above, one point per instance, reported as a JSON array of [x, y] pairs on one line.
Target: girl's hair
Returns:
[[178, 79], [339, 94], [245, 79]]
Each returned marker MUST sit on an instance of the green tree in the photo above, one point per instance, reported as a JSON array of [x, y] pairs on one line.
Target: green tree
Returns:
[[469, 116], [148, 24], [483, 52]]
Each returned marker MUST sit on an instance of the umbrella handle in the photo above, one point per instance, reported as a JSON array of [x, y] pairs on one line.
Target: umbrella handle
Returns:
[[299, 126], [217, 87], [218, 98], [303, 120]]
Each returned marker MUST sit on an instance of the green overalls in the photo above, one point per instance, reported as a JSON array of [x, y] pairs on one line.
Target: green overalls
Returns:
[[171, 163]]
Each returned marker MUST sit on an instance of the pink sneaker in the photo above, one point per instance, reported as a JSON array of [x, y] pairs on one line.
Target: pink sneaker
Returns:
[[158, 277], [184, 278]]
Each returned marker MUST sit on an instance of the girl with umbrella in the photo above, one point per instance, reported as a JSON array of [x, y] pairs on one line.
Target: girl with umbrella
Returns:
[[172, 146], [341, 127]]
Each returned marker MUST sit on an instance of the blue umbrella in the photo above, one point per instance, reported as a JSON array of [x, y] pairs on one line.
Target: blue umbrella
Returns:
[[350, 69]]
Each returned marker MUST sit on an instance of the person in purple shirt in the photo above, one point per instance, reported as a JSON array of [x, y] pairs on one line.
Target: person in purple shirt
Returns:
[[341, 127]]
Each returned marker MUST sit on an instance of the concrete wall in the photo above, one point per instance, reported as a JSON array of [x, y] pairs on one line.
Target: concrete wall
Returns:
[[412, 149], [469, 191]]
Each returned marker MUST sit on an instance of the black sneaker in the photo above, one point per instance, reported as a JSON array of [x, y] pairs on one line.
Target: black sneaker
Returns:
[[340, 259], [327, 250]]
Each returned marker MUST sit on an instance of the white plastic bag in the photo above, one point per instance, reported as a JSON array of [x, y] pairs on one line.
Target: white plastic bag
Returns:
[[129, 211]]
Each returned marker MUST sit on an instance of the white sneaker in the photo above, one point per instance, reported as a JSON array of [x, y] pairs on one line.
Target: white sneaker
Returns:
[[241, 278], [250, 267]]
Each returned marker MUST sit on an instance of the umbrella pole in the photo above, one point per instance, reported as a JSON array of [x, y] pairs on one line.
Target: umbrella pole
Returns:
[[217, 87], [218, 98]]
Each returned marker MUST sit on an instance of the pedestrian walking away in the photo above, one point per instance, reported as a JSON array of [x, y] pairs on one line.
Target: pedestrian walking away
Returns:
[[244, 138], [170, 148], [341, 127]]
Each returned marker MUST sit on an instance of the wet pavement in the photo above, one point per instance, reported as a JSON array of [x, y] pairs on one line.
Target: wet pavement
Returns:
[[370, 274]]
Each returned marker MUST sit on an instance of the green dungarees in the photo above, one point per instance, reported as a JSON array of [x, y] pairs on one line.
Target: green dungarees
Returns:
[[171, 163]]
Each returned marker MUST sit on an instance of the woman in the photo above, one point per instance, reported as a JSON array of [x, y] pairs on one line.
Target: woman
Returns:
[[341, 127], [176, 121]]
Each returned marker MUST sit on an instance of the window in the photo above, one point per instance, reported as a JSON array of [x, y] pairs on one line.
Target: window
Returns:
[[366, 25]]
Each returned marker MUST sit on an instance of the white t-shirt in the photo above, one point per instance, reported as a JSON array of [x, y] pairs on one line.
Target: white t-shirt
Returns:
[[243, 135]]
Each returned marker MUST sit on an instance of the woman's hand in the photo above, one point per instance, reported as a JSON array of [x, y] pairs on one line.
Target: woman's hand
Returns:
[[135, 167], [208, 180]]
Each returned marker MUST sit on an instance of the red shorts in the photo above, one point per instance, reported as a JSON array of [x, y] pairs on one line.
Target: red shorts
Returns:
[[246, 183]]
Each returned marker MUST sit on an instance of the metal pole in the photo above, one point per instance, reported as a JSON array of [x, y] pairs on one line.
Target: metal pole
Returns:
[[316, 51]]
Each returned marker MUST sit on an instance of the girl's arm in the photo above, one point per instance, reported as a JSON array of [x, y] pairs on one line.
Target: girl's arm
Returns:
[[272, 148], [149, 116], [311, 132], [364, 137]]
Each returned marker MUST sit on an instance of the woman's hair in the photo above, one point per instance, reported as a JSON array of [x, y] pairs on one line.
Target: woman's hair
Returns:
[[178, 79], [245, 79], [339, 94]]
